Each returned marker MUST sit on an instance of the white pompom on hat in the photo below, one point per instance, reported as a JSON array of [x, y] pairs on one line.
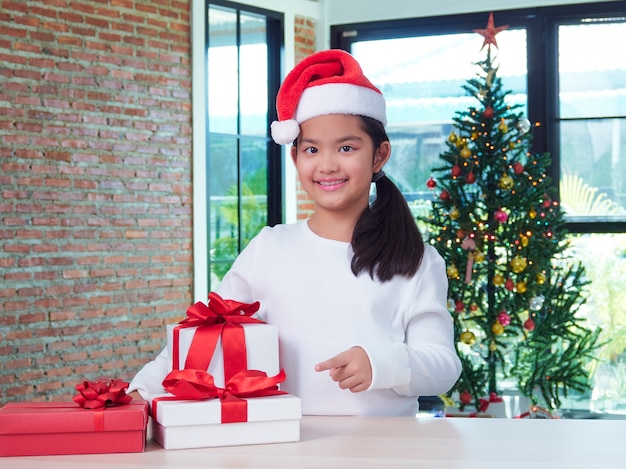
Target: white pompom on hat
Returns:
[[327, 82]]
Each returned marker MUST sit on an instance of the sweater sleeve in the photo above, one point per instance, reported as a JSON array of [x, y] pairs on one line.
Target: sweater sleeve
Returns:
[[426, 363], [149, 379]]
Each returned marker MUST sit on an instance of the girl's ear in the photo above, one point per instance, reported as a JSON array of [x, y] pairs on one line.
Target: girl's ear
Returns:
[[383, 152], [293, 151]]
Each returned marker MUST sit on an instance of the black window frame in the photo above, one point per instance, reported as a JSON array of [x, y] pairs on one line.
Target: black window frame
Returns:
[[275, 44], [541, 24]]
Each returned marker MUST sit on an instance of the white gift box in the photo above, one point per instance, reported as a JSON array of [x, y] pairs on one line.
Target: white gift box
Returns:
[[261, 349], [510, 405], [197, 424]]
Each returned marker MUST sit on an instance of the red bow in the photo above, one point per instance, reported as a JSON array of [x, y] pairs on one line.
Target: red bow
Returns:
[[228, 315], [102, 393], [198, 385], [484, 403]]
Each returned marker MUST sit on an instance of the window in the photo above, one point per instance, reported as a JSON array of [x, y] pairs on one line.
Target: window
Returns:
[[567, 66], [590, 120], [239, 169]]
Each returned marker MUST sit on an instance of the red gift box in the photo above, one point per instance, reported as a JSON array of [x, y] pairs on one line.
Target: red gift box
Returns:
[[43, 428]]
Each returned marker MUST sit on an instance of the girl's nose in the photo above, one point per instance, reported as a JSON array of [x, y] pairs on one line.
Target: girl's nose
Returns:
[[328, 161]]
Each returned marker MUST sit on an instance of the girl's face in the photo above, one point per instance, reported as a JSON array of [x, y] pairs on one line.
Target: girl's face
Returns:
[[335, 160]]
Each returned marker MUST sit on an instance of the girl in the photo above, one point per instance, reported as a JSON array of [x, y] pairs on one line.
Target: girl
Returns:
[[358, 298]]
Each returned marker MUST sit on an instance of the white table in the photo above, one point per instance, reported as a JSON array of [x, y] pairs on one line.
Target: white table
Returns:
[[385, 443]]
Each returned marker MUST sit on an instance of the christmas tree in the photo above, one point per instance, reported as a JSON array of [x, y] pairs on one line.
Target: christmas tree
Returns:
[[513, 291]]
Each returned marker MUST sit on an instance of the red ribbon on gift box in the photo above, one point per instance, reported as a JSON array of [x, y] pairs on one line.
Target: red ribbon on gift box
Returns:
[[102, 393], [220, 318], [199, 385], [484, 403]]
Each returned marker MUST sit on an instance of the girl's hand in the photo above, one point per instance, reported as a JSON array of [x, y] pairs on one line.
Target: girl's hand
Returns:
[[351, 369]]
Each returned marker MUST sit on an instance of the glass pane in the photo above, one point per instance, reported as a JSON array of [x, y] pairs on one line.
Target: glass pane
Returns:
[[604, 258], [222, 70], [253, 73], [593, 180], [253, 188], [223, 203], [592, 70], [422, 79], [592, 106]]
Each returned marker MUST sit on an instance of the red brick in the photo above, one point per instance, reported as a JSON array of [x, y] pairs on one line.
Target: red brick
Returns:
[[97, 161]]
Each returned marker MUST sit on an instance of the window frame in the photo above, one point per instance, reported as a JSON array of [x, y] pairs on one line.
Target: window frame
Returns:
[[201, 135], [542, 25]]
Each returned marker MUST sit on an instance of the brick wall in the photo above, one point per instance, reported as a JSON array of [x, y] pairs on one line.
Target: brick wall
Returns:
[[304, 40], [95, 188]]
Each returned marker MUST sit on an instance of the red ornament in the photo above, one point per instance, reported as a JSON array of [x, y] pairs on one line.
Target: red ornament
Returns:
[[504, 318], [518, 168], [465, 397], [509, 285], [431, 183], [488, 112], [445, 195], [489, 33], [470, 178], [529, 324], [456, 171], [500, 216], [459, 307]]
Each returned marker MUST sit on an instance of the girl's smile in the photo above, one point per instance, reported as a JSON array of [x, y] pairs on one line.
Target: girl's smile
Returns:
[[331, 184]]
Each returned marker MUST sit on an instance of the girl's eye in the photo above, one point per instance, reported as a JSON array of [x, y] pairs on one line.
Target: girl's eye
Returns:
[[346, 148], [310, 150]]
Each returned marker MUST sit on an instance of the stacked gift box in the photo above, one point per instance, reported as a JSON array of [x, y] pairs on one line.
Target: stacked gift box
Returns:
[[223, 385]]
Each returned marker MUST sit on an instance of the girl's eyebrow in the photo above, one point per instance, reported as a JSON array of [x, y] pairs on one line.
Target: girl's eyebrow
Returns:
[[346, 138]]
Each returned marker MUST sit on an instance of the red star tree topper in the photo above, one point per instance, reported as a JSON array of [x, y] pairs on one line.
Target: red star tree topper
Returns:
[[489, 33]]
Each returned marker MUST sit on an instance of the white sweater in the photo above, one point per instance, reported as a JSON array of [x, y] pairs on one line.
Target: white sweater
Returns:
[[306, 288]]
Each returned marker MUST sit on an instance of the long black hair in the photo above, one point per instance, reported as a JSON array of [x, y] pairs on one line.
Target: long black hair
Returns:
[[386, 241]]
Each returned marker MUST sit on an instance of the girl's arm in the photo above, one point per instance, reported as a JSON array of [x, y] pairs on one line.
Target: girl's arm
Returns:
[[426, 363]]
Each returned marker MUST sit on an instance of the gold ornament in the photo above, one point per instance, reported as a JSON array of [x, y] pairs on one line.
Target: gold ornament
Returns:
[[524, 239], [506, 182], [479, 257], [540, 278], [452, 271], [474, 135], [468, 338], [452, 137], [465, 152], [497, 328], [502, 127], [518, 264], [521, 287], [492, 346], [532, 213], [498, 280], [454, 213]]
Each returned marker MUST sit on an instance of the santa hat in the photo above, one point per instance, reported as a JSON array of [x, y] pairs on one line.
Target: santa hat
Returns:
[[327, 82]]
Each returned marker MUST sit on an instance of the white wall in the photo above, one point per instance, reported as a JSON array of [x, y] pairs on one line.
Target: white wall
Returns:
[[356, 11]]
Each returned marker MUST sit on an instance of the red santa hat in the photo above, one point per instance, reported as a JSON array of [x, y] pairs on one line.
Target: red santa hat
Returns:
[[327, 82]]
